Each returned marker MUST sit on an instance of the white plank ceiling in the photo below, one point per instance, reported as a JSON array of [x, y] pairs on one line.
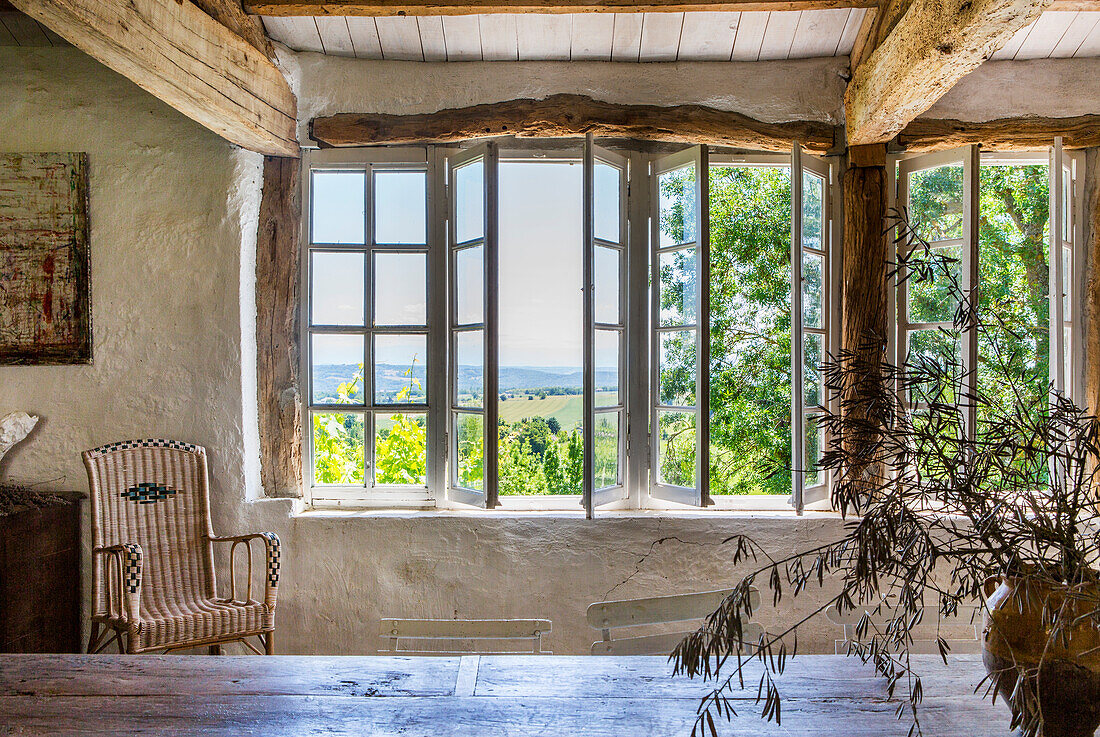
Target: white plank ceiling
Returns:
[[748, 36], [17, 29]]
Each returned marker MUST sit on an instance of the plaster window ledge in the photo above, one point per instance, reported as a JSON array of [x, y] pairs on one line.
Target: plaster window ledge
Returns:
[[507, 514]]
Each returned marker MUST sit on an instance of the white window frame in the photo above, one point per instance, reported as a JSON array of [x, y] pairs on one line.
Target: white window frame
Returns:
[[636, 364]]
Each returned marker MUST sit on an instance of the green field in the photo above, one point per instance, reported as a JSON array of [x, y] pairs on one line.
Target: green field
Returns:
[[566, 407]]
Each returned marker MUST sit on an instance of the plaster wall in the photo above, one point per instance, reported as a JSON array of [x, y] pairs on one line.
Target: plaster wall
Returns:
[[1055, 88], [173, 212]]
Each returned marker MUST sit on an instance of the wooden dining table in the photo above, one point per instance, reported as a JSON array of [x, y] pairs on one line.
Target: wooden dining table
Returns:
[[545, 695]]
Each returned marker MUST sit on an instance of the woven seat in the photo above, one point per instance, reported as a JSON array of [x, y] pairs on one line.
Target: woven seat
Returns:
[[153, 574]]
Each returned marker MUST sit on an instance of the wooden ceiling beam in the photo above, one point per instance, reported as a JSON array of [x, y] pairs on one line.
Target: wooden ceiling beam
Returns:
[[383, 8], [231, 15], [932, 45], [185, 58], [570, 116]]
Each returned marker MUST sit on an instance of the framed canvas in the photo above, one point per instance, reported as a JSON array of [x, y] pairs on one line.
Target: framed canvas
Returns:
[[45, 299]]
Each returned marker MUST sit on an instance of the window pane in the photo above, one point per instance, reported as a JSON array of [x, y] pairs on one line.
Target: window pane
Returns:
[[935, 202], [811, 352], [337, 288], [931, 295], [813, 292], [338, 448], [469, 368], [606, 202], [676, 448], [470, 439], [1067, 197], [400, 289], [337, 369], [814, 447], [607, 345], [813, 187], [470, 285], [678, 368], [400, 449], [1067, 283], [339, 206], [607, 285], [400, 207], [469, 195], [677, 206], [1067, 360], [400, 372], [934, 362], [679, 282], [606, 443]]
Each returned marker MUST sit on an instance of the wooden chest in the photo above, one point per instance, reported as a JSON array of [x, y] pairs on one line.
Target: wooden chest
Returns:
[[40, 579]]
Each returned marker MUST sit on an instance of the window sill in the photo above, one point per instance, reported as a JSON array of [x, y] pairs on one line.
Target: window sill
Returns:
[[323, 512]]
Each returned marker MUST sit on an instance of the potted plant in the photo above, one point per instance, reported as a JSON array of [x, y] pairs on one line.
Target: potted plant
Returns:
[[952, 495]]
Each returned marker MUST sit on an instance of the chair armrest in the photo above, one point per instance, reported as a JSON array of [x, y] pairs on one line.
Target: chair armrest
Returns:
[[271, 550], [128, 596]]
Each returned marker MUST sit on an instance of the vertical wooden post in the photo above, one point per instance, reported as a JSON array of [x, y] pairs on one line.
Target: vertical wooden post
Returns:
[[278, 260], [865, 304], [1091, 306]]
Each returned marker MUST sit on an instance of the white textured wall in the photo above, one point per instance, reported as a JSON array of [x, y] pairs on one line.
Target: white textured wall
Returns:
[[173, 211]]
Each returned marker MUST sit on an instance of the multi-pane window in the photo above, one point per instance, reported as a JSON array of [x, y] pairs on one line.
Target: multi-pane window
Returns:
[[586, 297], [367, 329]]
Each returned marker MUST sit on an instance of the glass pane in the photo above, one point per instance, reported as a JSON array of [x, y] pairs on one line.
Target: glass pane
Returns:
[[338, 449], [400, 449], [679, 281], [469, 195], [811, 369], [813, 291], [337, 288], [607, 344], [677, 369], [607, 285], [1067, 360], [400, 369], [470, 285], [935, 202], [339, 206], [813, 187], [934, 363], [1067, 198], [470, 439], [606, 205], [814, 447], [400, 207], [1067, 283], [676, 448], [606, 443], [931, 294], [677, 206], [337, 369], [469, 368], [400, 289]]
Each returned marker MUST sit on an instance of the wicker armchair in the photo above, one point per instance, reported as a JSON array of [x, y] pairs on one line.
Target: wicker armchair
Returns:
[[153, 555]]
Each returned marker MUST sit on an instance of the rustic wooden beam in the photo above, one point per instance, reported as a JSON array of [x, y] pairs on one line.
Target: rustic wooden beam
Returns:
[[932, 45], [277, 339], [568, 116], [184, 57], [231, 15], [1005, 134], [865, 302], [382, 8]]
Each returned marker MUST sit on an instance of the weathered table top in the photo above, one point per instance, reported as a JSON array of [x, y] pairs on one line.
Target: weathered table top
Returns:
[[474, 695]]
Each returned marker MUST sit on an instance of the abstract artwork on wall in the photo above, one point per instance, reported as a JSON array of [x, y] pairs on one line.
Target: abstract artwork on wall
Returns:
[[45, 310]]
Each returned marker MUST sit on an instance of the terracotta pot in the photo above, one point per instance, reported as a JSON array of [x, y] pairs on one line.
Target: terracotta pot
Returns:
[[1064, 672]]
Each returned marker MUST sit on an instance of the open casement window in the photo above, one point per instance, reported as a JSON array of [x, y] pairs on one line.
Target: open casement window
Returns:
[[472, 237], [1063, 238], [680, 316], [604, 390], [939, 191], [811, 184]]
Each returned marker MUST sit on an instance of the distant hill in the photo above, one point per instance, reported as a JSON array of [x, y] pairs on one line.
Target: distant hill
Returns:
[[390, 378]]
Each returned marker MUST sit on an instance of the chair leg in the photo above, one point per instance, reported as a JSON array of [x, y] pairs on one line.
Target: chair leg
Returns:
[[215, 649], [269, 643], [93, 637]]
